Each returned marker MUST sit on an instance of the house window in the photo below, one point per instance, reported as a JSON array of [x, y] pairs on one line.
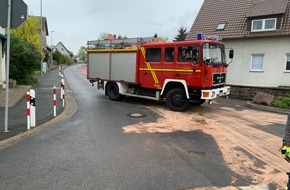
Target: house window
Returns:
[[257, 62], [264, 25], [287, 68], [221, 26], [153, 54]]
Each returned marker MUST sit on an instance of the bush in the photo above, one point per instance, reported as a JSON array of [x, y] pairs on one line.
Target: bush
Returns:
[[282, 103], [24, 60], [61, 59]]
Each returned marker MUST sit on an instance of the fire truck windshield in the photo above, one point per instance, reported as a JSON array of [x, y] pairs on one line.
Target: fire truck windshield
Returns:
[[213, 54]]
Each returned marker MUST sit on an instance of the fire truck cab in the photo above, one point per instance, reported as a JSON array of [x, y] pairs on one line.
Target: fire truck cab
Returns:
[[179, 73]]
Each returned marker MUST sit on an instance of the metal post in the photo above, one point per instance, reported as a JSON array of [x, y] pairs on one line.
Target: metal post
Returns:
[[61, 86], [54, 101], [40, 36], [51, 61], [32, 108], [59, 71], [63, 92], [28, 110], [7, 66]]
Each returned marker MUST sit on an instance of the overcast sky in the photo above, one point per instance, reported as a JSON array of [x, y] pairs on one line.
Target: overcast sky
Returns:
[[77, 21]]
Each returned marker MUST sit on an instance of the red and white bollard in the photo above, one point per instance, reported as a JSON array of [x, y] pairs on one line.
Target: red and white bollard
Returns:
[[28, 109], [32, 108], [59, 71], [62, 92], [54, 101]]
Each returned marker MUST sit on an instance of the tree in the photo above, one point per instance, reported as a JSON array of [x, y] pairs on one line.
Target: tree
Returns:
[[155, 35], [181, 36], [120, 37], [29, 31], [24, 60], [82, 54]]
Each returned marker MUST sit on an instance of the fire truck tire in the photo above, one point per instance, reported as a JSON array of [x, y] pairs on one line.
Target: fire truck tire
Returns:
[[113, 92], [176, 99]]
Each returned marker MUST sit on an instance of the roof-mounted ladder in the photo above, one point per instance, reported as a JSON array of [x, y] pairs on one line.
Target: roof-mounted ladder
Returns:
[[118, 43]]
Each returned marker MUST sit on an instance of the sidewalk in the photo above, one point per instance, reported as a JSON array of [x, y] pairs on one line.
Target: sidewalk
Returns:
[[17, 120]]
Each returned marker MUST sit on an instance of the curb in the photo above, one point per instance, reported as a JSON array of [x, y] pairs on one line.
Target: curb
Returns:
[[267, 108]]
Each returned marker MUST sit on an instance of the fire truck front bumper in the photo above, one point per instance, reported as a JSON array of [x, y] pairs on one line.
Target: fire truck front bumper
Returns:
[[215, 93]]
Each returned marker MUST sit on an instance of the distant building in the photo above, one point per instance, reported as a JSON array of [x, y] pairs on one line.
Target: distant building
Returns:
[[2, 57], [258, 31], [62, 49], [110, 37]]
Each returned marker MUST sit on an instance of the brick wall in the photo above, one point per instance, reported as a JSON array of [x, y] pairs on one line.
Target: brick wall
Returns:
[[248, 93]]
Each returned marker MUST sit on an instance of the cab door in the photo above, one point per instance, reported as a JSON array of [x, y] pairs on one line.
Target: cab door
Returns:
[[150, 70], [169, 60], [184, 68]]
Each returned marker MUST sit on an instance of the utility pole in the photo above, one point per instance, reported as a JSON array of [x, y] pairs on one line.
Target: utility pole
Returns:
[[40, 36], [7, 66], [13, 13], [51, 61]]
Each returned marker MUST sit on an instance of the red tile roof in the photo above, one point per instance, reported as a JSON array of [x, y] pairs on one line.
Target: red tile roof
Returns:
[[267, 8], [234, 13], [110, 37], [156, 40]]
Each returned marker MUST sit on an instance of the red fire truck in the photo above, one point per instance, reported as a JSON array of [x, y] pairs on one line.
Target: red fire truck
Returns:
[[179, 73]]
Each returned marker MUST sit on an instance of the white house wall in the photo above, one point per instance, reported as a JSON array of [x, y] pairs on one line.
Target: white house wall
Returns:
[[62, 50], [273, 74]]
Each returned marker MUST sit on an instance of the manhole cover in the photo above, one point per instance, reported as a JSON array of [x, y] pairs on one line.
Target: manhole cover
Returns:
[[136, 115]]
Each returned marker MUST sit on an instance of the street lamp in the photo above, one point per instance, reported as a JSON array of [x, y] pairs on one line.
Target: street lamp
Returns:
[[51, 49]]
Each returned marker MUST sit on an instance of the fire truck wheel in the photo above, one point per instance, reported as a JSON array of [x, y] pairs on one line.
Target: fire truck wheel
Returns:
[[113, 92], [176, 100]]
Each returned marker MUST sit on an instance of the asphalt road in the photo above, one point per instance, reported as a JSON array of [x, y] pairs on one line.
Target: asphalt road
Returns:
[[92, 151]]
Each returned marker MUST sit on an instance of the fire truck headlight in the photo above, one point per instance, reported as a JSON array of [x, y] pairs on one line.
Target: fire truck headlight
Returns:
[[213, 94]]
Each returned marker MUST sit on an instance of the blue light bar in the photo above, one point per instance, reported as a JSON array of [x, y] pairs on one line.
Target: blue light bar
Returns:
[[200, 36]]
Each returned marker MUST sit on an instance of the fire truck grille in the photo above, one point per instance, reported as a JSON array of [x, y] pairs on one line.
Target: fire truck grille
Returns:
[[219, 78]]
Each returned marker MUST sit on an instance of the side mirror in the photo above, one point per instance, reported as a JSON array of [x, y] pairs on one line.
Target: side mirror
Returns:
[[231, 54], [207, 60]]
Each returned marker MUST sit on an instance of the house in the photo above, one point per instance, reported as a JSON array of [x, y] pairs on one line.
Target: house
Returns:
[[258, 31], [44, 33], [110, 37], [2, 58], [156, 40], [45, 64], [62, 49]]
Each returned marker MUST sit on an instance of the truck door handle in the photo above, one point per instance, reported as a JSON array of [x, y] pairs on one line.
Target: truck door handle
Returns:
[[145, 73]]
